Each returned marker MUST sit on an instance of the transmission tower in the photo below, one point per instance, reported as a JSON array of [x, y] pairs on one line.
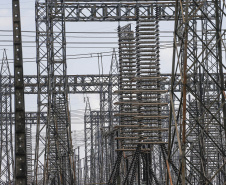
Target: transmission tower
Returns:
[[198, 126], [160, 138], [58, 154], [6, 147], [88, 129]]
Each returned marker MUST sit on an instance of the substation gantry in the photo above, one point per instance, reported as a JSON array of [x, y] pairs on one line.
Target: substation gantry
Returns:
[[152, 128]]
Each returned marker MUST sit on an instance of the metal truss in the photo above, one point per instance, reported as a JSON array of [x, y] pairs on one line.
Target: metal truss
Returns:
[[97, 147], [91, 84], [6, 122], [30, 164], [58, 164], [107, 120], [197, 113], [78, 166], [93, 158], [78, 142], [88, 141], [75, 83], [59, 155], [114, 10], [42, 85], [193, 150]]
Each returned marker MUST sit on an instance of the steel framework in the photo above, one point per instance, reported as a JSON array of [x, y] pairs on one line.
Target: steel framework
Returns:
[[99, 132], [58, 164], [197, 128], [151, 128], [6, 147], [141, 128]]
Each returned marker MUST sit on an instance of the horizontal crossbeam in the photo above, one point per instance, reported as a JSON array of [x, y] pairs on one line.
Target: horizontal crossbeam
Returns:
[[88, 83], [109, 10], [30, 117]]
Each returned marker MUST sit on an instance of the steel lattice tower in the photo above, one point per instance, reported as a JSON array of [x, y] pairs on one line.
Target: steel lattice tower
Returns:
[[99, 131], [59, 155], [88, 141], [58, 165], [6, 147], [184, 146], [200, 118]]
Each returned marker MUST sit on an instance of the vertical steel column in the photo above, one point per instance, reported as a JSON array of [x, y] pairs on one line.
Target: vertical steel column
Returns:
[[185, 35], [96, 161], [104, 120], [93, 171], [77, 165], [219, 44], [42, 98], [87, 132], [59, 164], [198, 127], [6, 145], [113, 98], [20, 134], [107, 130], [29, 153]]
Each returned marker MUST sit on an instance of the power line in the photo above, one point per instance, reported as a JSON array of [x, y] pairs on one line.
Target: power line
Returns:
[[82, 42], [84, 32]]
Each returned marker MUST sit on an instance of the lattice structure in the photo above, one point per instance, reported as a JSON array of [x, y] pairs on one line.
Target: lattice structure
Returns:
[[88, 141], [41, 28], [140, 99], [78, 143], [78, 84], [97, 146], [96, 167], [58, 159], [30, 167], [200, 119], [99, 134], [93, 154], [78, 166], [58, 165], [107, 110], [6, 121], [195, 152]]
